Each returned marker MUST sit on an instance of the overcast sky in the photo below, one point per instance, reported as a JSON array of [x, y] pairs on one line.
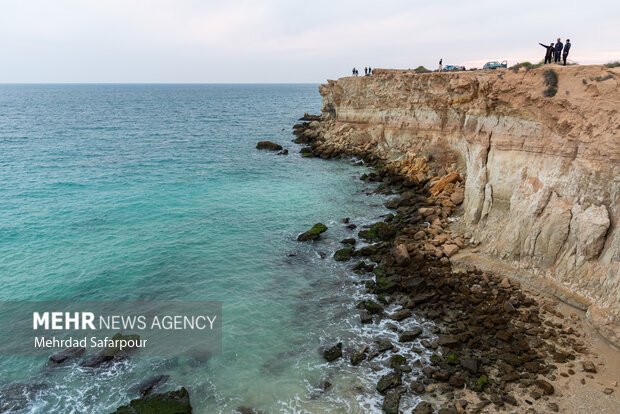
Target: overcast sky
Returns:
[[285, 40]]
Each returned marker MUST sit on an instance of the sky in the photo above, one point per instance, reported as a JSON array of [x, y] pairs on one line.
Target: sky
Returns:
[[282, 41]]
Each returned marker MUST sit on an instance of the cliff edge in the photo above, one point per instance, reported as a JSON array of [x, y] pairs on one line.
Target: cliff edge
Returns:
[[542, 188]]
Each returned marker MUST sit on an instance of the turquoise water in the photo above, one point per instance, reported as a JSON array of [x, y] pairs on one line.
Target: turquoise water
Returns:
[[144, 192]]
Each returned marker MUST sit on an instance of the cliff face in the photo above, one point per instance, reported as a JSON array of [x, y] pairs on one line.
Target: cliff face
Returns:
[[542, 189]]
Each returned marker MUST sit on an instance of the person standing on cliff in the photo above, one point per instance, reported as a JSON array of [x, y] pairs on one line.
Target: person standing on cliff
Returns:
[[440, 64], [365, 71], [566, 50], [558, 50], [369, 70], [353, 71], [549, 52]]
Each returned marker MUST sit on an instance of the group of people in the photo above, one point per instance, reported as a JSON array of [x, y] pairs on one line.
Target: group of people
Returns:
[[557, 51], [367, 71]]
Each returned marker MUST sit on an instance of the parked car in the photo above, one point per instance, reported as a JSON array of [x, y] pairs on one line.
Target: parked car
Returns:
[[453, 67], [495, 65]]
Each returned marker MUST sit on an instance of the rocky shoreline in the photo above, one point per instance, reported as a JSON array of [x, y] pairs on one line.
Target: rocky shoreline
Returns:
[[495, 347]]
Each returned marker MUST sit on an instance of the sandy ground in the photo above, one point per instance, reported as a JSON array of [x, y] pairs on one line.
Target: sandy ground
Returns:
[[576, 391]]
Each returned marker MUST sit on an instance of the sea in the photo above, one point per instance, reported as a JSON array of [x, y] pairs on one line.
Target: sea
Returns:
[[157, 192]]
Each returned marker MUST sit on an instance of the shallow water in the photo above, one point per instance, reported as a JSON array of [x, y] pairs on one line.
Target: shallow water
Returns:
[[144, 192]]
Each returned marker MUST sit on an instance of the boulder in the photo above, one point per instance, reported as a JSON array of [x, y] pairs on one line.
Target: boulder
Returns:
[[333, 353], [457, 196], [67, 354], [545, 386], [372, 307], [450, 249], [314, 233], [443, 183], [269, 146], [357, 358], [173, 402], [423, 408], [400, 253], [409, 336], [391, 402], [588, 366], [343, 255], [389, 381]]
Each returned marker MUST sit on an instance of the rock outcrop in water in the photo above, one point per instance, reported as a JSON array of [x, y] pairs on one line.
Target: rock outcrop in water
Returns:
[[541, 189]]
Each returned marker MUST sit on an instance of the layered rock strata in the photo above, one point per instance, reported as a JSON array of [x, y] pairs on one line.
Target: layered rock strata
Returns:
[[542, 183]]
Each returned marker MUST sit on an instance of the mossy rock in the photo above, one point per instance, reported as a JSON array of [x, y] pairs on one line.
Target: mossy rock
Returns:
[[314, 233], [452, 359], [481, 383], [343, 255], [381, 297], [350, 242], [306, 152], [372, 307], [397, 361], [435, 359], [360, 267], [380, 231], [379, 271], [173, 402], [371, 234], [383, 284]]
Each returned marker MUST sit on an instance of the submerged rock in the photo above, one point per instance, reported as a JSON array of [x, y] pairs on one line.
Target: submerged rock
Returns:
[[389, 381], [15, 397], [247, 410], [111, 354], [67, 354], [357, 358], [314, 233], [269, 146], [146, 387], [173, 402]]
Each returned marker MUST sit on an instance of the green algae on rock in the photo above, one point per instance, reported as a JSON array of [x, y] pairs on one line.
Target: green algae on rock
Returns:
[[343, 255], [314, 233]]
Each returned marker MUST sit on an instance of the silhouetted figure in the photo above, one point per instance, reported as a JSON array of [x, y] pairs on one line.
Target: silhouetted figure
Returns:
[[566, 50], [549, 53], [353, 71], [365, 71], [440, 64], [558, 51], [369, 70]]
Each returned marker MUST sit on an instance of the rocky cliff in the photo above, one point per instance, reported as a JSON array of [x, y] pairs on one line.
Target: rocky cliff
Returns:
[[542, 173]]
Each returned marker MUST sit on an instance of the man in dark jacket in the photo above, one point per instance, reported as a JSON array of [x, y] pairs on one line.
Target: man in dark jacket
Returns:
[[566, 50], [558, 50], [548, 53]]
